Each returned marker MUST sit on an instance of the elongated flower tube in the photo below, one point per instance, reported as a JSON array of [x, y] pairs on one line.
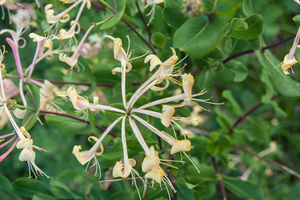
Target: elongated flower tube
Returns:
[[72, 61], [120, 55], [78, 102], [123, 169], [85, 156]]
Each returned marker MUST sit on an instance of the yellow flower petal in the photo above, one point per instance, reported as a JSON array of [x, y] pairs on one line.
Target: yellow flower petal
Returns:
[[167, 114], [156, 175], [151, 160], [182, 145]]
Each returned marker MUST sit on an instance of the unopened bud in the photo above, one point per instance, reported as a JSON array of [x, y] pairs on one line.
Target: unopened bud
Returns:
[[192, 8]]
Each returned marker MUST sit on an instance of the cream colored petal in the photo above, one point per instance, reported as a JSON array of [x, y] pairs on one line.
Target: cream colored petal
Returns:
[[154, 61], [182, 145], [36, 37], [151, 160], [287, 64], [78, 102], [19, 113], [156, 88], [27, 155], [156, 175], [167, 114], [123, 170], [25, 143], [188, 82]]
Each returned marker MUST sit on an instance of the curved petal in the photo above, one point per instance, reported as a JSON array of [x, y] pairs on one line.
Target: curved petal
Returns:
[[182, 145]]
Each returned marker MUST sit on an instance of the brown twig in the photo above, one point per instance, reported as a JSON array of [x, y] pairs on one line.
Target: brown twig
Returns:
[[143, 19], [133, 29], [78, 119], [269, 161], [239, 120], [219, 179]]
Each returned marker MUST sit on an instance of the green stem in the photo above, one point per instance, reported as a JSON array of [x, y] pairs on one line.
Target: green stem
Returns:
[[24, 107]]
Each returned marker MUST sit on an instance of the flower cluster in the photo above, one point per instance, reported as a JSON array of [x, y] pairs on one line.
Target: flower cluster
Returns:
[[151, 164]]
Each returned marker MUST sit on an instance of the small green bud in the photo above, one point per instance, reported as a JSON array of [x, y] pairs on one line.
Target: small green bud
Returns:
[[192, 8], [11, 104]]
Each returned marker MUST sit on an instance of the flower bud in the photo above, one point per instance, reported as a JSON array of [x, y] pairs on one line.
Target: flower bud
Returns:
[[192, 8]]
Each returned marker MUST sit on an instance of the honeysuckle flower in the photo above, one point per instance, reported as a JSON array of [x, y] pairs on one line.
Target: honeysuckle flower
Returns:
[[289, 59], [79, 102], [151, 160], [182, 145], [156, 175], [85, 156], [25, 15], [27, 154], [288, 64], [64, 17], [152, 11], [72, 61]]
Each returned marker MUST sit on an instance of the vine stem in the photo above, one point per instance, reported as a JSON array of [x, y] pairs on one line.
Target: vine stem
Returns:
[[219, 179], [133, 29], [172, 182], [262, 48], [143, 19], [76, 118], [239, 120], [269, 161]]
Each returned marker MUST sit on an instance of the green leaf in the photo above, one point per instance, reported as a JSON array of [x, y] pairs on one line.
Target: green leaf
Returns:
[[223, 119], [296, 19], [239, 69], [266, 99], [216, 54], [235, 108], [283, 84], [242, 188], [120, 5], [120, 196], [112, 116], [205, 79], [158, 39], [206, 173], [172, 13], [67, 125], [183, 191], [255, 26], [220, 143], [247, 7], [224, 74], [151, 193], [5, 185], [28, 187], [64, 189], [41, 196], [33, 101], [199, 36], [260, 129], [97, 193]]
